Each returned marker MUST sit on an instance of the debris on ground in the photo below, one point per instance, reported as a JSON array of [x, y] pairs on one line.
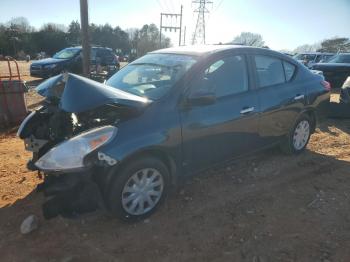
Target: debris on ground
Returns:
[[29, 224]]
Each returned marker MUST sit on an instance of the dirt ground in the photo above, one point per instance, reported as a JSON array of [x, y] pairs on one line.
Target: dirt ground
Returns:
[[268, 207]]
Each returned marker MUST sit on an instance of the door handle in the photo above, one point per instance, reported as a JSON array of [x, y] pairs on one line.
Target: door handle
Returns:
[[298, 97], [247, 110]]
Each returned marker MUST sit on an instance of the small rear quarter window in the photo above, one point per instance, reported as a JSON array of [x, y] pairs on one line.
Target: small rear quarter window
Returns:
[[289, 70]]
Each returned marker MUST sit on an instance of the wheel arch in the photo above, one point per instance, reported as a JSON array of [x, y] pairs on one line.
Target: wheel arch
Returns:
[[157, 153], [310, 112]]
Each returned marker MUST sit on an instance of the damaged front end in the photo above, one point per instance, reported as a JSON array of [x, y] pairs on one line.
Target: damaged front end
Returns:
[[76, 119]]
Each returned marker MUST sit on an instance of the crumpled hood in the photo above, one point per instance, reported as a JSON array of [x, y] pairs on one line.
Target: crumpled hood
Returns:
[[79, 94]]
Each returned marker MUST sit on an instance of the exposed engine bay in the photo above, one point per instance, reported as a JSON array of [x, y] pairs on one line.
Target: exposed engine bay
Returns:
[[51, 125], [77, 114]]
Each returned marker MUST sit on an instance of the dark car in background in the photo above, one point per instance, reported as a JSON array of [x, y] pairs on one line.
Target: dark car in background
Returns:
[[171, 113], [70, 59], [309, 59], [336, 70]]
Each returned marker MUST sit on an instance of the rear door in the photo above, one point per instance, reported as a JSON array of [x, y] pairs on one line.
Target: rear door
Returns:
[[229, 126], [281, 98]]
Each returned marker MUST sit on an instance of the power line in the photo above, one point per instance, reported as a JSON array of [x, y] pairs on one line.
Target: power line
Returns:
[[172, 6], [199, 32], [160, 5], [167, 6], [217, 7]]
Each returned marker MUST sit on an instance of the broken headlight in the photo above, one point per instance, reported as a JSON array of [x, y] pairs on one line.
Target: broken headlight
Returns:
[[69, 155]]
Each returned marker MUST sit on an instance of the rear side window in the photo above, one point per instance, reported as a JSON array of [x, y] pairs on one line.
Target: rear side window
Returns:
[[289, 70], [228, 76], [269, 70], [93, 54]]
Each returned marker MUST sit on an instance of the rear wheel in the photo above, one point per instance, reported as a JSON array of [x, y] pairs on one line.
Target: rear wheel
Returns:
[[298, 138], [138, 189]]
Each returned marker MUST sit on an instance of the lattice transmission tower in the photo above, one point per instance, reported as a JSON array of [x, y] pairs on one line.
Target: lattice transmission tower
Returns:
[[199, 32]]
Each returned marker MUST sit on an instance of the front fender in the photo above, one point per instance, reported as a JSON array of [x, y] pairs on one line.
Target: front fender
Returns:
[[157, 145], [122, 149]]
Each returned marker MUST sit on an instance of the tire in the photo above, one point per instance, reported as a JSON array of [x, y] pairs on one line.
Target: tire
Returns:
[[125, 192], [298, 137]]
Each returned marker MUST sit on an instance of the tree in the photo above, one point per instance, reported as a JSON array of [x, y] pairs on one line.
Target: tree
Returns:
[[249, 39], [50, 39], [74, 37], [108, 36], [307, 48], [17, 36], [21, 24], [147, 39], [334, 45]]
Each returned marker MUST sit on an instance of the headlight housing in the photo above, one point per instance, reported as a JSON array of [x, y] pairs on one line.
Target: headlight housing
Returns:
[[69, 155]]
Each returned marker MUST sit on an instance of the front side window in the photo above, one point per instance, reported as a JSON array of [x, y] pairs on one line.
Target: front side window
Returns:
[[326, 58], [152, 75], [226, 76], [318, 58], [307, 57], [269, 71]]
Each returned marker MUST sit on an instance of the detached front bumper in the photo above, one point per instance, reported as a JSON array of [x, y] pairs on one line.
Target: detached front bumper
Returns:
[[71, 194]]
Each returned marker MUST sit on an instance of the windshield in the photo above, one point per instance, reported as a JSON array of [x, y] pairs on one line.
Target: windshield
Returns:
[[152, 75], [309, 57], [340, 59], [66, 53]]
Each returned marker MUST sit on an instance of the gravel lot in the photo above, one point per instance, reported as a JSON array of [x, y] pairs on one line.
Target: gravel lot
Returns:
[[268, 207]]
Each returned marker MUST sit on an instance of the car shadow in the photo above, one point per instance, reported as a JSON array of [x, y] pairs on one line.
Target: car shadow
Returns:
[[254, 206], [329, 124]]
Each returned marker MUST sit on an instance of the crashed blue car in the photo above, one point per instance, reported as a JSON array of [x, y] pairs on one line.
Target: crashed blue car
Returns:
[[120, 145]]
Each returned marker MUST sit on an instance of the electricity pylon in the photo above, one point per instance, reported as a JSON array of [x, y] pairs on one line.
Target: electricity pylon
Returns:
[[199, 32]]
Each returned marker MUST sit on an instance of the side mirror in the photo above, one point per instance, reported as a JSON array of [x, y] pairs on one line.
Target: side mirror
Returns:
[[201, 98]]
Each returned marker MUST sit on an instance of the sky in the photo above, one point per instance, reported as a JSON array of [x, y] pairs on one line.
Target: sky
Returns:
[[284, 24]]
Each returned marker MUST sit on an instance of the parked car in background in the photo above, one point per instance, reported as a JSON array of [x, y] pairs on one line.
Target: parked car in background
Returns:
[[168, 114], [309, 59], [336, 70], [70, 59], [345, 92], [341, 109]]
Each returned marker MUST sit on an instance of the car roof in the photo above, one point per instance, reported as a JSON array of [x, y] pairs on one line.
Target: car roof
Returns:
[[199, 50]]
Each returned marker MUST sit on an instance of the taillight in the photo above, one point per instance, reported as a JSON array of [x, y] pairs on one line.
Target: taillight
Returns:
[[326, 85]]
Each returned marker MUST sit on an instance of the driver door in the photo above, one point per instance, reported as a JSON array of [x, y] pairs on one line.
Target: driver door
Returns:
[[227, 127]]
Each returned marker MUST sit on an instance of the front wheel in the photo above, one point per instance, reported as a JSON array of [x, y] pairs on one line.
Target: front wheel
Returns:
[[297, 140], [138, 189]]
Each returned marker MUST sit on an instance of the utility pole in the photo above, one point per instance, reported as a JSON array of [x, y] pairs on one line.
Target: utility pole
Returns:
[[184, 43], [160, 31], [170, 26], [199, 33], [84, 18], [180, 26]]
